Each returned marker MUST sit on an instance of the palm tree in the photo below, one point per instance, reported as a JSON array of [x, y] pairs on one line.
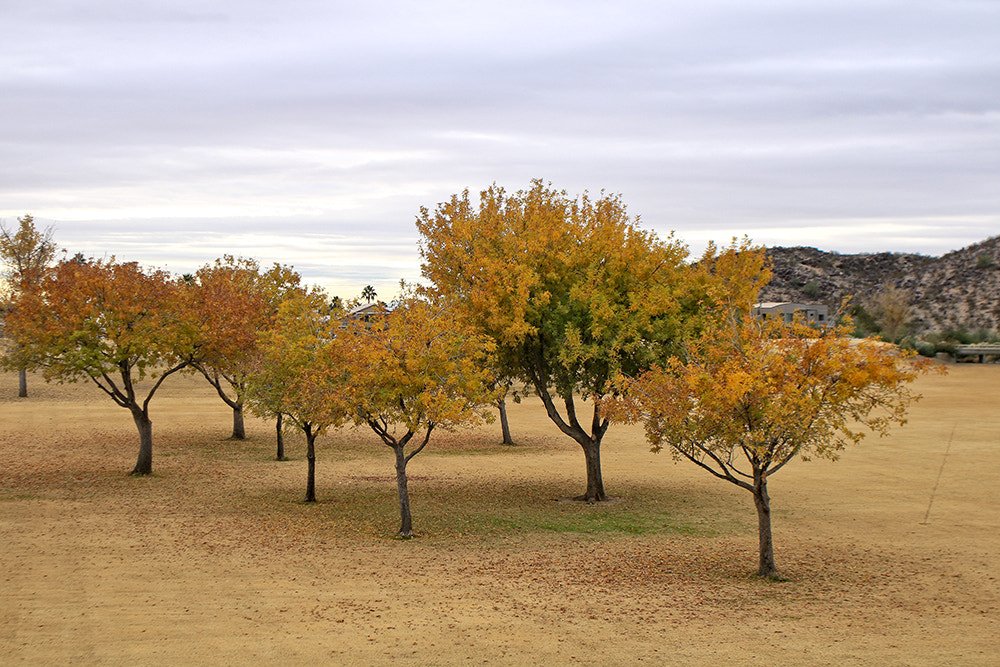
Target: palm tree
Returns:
[[368, 293]]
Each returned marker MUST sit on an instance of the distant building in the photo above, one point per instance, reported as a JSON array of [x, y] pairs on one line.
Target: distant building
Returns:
[[810, 313], [366, 310]]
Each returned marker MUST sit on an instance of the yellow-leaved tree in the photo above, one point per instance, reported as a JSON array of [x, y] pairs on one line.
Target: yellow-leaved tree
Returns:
[[410, 371], [747, 396], [298, 374], [571, 291]]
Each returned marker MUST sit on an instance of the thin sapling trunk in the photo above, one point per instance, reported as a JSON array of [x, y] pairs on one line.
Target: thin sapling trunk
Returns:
[[405, 517], [311, 460], [280, 437], [766, 567], [504, 425], [144, 463]]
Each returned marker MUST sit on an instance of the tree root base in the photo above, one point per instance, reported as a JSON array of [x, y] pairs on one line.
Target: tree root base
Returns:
[[583, 499]]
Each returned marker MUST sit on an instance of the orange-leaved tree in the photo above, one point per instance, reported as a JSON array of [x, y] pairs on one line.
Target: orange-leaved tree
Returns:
[[27, 253], [571, 290], [297, 373], [113, 323], [231, 301], [748, 396], [413, 370]]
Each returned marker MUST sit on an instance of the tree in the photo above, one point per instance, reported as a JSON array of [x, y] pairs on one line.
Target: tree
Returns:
[[410, 372], [368, 294], [572, 292], [293, 374], [504, 390], [892, 309], [112, 323], [748, 396], [27, 252], [231, 302]]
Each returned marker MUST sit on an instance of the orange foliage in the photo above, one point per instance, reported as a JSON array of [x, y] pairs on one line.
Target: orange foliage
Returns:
[[747, 395], [115, 324]]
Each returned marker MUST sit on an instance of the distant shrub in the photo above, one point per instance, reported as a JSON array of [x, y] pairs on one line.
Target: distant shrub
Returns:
[[959, 336], [811, 289], [983, 335], [926, 348], [864, 323], [984, 262]]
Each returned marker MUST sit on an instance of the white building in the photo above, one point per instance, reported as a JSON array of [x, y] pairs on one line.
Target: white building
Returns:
[[811, 313]]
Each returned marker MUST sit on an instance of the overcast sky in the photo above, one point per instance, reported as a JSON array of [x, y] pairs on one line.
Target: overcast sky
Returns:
[[310, 132]]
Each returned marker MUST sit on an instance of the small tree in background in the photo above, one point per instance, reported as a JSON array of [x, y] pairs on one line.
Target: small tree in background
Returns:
[[27, 253], [411, 371], [294, 373], [892, 310], [231, 302], [748, 396]]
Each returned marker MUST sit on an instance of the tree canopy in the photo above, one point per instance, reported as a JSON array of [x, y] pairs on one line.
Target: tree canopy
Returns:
[[747, 396], [27, 252], [293, 376], [113, 323], [231, 301], [572, 291], [411, 371]]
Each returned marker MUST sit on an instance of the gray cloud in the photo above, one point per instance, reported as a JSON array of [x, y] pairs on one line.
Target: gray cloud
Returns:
[[846, 125]]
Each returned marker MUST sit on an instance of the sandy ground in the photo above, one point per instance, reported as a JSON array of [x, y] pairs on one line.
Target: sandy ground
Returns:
[[892, 554]]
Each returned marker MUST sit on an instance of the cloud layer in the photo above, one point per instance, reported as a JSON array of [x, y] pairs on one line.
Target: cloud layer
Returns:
[[311, 132]]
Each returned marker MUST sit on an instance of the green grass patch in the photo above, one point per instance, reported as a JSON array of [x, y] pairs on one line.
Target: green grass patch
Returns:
[[488, 511]]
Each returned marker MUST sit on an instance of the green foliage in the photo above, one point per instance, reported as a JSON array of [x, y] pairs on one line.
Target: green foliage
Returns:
[[811, 289], [948, 339], [571, 290], [984, 262], [864, 324], [283, 378]]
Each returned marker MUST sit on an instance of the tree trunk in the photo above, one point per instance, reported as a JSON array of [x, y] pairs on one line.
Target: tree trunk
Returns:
[[504, 426], [405, 519], [22, 383], [239, 430], [766, 567], [595, 481], [311, 460], [144, 464], [589, 442], [281, 439]]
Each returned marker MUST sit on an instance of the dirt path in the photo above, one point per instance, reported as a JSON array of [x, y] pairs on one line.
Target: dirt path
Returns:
[[892, 553]]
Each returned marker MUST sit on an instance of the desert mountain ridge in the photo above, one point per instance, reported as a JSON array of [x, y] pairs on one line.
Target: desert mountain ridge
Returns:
[[957, 291]]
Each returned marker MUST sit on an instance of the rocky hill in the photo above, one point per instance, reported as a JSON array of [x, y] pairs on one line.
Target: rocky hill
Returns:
[[958, 291]]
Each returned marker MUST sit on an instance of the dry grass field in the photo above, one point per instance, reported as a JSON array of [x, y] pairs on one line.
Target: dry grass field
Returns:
[[892, 554]]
